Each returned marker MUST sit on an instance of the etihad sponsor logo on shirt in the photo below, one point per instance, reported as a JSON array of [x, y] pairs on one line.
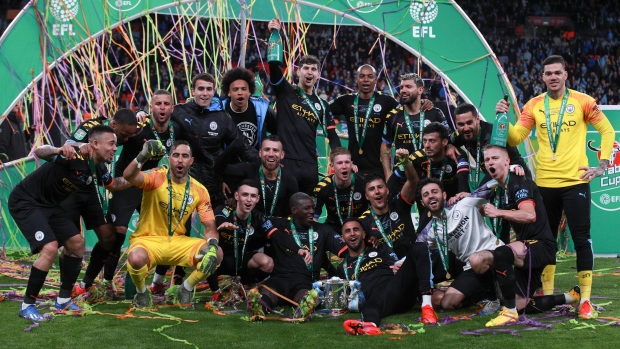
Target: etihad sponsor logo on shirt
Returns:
[[565, 123], [305, 113], [372, 122], [370, 264], [175, 211]]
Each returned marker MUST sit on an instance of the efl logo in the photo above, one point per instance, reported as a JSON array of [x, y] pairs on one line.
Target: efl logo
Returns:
[[123, 5], [423, 12], [63, 11], [366, 6]]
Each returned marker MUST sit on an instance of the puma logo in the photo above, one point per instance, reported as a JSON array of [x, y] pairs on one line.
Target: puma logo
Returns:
[[501, 272], [583, 194]]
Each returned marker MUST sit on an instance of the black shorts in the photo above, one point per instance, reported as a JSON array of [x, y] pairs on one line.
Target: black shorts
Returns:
[[248, 276], [287, 285], [439, 272], [122, 205], [540, 254], [84, 203], [40, 225], [468, 283], [306, 174]]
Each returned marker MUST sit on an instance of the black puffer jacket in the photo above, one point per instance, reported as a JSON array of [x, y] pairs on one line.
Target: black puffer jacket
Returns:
[[209, 131]]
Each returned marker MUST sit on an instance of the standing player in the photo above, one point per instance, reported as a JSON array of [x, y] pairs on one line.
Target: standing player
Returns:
[[518, 265], [365, 112], [561, 117], [340, 193], [123, 203], [85, 204], [277, 184], [209, 130], [252, 115], [34, 204], [170, 196], [300, 112], [404, 124]]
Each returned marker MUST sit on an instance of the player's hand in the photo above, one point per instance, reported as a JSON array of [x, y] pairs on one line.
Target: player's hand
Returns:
[[86, 150], [208, 264], [306, 255], [141, 116], [230, 202], [397, 266], [452, 152], [274, 24], [151, 148], [225, 190], [517, 169], [354, 168], [590, 173], [68, 151], [489, 210], [402, 155], [502, 106], [373, 241], [426, 105], [227, 226], [456, 198]]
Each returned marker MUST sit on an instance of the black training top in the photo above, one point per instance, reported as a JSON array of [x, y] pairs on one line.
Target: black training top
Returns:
[[370, 159]]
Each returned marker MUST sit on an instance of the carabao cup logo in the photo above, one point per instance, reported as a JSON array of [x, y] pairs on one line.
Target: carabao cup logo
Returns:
[[64, 10], [424, 11]]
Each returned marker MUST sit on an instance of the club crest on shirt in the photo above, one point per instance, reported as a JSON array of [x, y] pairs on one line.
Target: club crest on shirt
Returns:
[[89, 180], [317, 105], [315, 236], [570, 108], [456, 214], [393, 216], [372, 254], [448, 169], [190, 200], [377, 108], [213, 125], [169, 143], [39, 235], [250, 231], [357, 195]]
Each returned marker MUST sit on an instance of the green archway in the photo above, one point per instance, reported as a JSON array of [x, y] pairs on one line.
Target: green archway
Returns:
[[438, 31]]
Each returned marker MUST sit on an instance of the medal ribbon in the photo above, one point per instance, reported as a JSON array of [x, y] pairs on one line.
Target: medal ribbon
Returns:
[[247, 228], [416, 146], [322, 121], [183, 204], [360, 257], [387, 240], [558, 127], [443, 247], [475, 181], [500, 193], [261, 175], [310, 242], [444, 163], [338, 201], [103, 199], [371, 103]]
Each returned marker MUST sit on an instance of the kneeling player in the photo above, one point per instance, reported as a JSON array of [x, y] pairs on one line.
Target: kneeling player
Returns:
[[169, 198], [518, 265]]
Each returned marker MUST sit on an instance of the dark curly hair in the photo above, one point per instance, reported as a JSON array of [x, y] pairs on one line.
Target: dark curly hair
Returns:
[[238, 74]]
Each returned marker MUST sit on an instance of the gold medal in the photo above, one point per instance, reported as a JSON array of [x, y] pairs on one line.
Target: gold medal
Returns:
[[448, 276], [497, 242], [109, 195], [428, 214], [360, 151], [553, 157], [326, 140]]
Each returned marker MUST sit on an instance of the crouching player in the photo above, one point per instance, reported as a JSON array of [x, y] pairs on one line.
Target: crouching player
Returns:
[[168, 200]]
